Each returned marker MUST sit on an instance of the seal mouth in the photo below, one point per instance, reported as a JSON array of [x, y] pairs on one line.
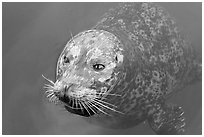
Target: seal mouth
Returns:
[[79, 107]]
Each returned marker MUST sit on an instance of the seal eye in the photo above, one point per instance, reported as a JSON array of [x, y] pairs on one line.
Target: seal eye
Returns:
[[66, 59], [98, 67]]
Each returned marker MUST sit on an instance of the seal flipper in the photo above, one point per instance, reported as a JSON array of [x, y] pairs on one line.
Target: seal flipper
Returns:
[[167, 120]]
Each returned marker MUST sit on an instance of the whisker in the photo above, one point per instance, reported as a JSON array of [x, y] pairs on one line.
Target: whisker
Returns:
[[76, 102], [70, 106], [104, 106], [89, 106], [52, 98], [50, 94], [49, 97], [72, 99], [105, 102], [99, 109], [49, 91], [48, 86], [81, 106], [85, 108], [48, 79]]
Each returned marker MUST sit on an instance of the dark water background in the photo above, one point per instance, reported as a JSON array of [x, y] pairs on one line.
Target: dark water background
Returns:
[[33, 37]]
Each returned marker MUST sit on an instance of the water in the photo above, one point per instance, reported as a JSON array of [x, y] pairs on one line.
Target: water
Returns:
[[33, 37]]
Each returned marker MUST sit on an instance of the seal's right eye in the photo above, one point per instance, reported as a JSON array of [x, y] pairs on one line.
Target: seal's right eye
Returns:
[[98, 67], [66, 59]]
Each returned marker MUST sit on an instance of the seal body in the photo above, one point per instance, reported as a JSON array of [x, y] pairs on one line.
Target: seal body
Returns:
[[120, 72]]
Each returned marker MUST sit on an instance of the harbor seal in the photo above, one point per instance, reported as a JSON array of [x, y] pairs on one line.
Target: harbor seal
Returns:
[[120, 72]]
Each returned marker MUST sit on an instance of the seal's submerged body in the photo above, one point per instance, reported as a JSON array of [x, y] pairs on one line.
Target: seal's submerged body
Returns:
[[120, 72]]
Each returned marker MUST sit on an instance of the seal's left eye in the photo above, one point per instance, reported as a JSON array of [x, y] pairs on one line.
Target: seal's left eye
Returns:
[[98, 67]]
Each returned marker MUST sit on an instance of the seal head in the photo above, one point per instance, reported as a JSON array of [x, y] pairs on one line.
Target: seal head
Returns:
[[87, 71]]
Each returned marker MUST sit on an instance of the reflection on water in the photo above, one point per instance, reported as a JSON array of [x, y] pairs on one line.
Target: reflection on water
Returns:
[[33, 37]]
